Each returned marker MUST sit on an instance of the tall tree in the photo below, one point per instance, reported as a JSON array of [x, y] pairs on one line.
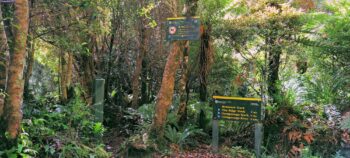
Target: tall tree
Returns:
[[165, 94], [140, 58], [183, 86], [274, 57], [66, 70], [205, 59], [190, 10], [13, 109], [31, 50], [273, 27]]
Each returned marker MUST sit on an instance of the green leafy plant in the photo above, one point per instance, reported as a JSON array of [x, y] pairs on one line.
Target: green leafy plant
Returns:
[[179, 137], [238, 151], [345, 124], [24, 148], [307, 153], [147, 112], [54, 130]]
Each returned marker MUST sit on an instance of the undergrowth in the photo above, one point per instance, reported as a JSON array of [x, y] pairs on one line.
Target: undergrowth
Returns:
[[52, 130]]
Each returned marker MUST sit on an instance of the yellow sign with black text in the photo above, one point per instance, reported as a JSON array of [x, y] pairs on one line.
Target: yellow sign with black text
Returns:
[[237, 109]]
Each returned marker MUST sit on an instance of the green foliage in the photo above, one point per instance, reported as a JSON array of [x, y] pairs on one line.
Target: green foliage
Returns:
[[238, 151], [223, 72], [337, 31], [51, 130], [307, 153], [180, 137], [212, 10], [243, 33], [147, 112], [194, 110], [328, 88], [327, 83], [146, 12], [345, 124], [23, 148], [284, 98]]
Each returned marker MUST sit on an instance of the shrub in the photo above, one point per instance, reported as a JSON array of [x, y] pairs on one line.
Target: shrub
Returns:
[[51, 130]]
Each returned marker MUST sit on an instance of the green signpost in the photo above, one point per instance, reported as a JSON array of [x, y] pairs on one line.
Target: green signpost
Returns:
[[183, 28], [237, 109]]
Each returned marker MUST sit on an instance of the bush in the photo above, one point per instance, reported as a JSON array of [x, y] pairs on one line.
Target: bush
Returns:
[[52, 130]]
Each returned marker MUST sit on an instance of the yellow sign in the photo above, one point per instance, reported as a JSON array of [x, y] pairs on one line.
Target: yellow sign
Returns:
[[237, 109]]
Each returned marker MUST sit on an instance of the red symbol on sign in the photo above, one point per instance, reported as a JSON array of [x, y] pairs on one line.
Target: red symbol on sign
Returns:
[[172, 30]]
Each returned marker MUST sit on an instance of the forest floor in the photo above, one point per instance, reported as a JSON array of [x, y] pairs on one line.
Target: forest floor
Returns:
[[201, 152], [114, 141]]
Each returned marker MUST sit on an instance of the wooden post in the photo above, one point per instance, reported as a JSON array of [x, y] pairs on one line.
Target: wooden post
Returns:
[[215, 136], [98, 99], [258, 139]]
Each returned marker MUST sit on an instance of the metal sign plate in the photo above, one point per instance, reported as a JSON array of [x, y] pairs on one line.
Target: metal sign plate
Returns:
[[7, 1], [183, 28], [237, 109]]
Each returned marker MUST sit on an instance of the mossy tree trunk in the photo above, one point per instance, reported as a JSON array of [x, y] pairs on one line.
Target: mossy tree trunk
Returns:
[[165, 95], [66, 71], [205, 60], [31, 52], [182, 111], [191, 6], [273, 61], [29, 69], [272, 75], [13, 109]]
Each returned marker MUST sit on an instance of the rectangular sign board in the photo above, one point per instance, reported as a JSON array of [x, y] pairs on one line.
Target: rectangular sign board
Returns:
[[183, 28], [237, 109], [7, 1]]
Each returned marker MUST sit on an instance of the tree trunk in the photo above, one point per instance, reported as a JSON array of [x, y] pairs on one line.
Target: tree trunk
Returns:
[[109, 64], [63, 77], [31, 50], [29, 70], [165, 95], [15, 86], [3, 63], [145, 82], [181, 113], [205, 59], [191, 6], [66, 67], [273, 67], [136, 86], [137, 74], [136, 81], [86, 70], [70, 70], [7, 14], [272, 76]]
